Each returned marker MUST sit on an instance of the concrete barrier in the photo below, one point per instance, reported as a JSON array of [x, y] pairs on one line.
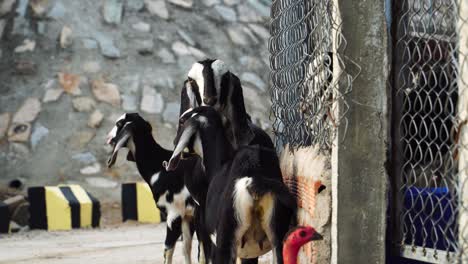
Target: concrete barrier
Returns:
[[62, 207], [138, 204], [4, 218]]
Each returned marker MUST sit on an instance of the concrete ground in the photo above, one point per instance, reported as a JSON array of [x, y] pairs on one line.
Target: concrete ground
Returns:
[[127, 243]]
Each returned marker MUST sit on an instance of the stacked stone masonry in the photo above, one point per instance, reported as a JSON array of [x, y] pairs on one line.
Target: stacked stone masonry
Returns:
[[69, 68]]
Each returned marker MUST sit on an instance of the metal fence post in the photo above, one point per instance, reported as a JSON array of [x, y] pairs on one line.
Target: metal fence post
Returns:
[[361, 178]]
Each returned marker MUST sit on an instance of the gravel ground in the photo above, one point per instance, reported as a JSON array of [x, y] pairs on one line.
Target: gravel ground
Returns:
[[125, 243]]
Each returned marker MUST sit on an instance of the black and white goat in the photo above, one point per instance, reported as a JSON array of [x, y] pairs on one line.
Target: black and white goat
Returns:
[[210, 83], [248, 207], [168, 188]]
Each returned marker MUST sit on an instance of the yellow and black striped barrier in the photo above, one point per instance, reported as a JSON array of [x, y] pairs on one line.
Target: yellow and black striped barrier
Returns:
[[138, 204], [62, 207], [4, 218]]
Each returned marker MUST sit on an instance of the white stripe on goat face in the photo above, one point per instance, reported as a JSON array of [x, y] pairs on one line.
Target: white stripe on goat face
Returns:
[[219, 69], [113, 133], [191, 95], [196, 73], [197, 144]]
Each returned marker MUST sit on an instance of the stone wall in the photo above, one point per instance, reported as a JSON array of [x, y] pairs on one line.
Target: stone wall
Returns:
[[69, 68]]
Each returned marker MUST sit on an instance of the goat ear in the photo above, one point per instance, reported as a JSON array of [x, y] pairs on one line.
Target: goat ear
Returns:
[[185, 104], [190, 128], [121, 142], [237, 115]]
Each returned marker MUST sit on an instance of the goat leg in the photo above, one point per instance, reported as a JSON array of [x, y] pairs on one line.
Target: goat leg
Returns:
[[187, 239], [172, 234]]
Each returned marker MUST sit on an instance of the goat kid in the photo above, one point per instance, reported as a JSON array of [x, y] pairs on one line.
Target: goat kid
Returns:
[[171, 195], [248, 209], [210, 83]]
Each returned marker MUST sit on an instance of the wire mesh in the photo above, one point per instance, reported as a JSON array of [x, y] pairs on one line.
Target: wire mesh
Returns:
[[429, 88], [304, 88], [309, 81]]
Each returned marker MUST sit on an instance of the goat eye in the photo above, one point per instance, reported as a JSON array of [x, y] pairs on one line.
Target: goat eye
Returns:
[[119, 124], [302, 233]]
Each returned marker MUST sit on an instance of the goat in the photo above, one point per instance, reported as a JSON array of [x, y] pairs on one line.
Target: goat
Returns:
[[169, 191], [248, 207], [210, 83]]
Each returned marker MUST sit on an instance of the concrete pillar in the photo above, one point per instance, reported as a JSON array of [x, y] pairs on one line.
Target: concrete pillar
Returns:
[[337, 71], [359, 155], [463, 128]]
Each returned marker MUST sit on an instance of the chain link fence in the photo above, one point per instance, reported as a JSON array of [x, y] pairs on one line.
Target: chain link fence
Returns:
[[306, 70], [428, 87], [429, 98], [309, 81]]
